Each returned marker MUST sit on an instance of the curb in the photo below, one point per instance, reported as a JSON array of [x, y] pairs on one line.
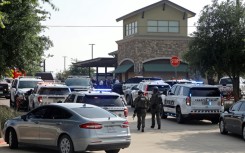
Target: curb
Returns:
[[2, 142]]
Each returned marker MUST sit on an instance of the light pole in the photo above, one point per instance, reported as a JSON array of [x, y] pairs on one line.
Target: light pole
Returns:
[[64, 63], [92, 50]]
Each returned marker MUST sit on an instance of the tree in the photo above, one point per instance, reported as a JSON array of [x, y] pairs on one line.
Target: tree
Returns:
[[218, 46], [2, 14], [21, 44]]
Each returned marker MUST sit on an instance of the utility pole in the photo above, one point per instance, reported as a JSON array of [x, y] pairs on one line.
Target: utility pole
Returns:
[[92, 50], [64, 63]]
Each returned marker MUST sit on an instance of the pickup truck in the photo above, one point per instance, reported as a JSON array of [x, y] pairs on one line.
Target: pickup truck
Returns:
[[226, 87]]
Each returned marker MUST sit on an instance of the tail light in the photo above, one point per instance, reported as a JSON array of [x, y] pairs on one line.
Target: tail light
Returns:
[[40, 99], [222, 101], [125, 112], [188, 101], [125, 124], [91, 125]]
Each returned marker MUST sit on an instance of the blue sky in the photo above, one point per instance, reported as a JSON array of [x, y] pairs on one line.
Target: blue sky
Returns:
[[72, 43]]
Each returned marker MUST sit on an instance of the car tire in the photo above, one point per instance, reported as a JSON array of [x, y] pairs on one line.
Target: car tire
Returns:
[[128, 99], [112, 151], [65, 144], [163, 115], [179, 116], [215, 121], [222, 127], [243, 132], [12, 139]]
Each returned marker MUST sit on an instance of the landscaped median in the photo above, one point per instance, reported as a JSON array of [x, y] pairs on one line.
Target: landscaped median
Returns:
[[5, 114]]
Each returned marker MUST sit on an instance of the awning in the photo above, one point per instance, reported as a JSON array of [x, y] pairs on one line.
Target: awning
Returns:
[[165, 68], [123, 68]]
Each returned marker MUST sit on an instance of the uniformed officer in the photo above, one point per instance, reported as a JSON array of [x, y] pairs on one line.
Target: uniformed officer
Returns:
[[141, 106], [156, 107]]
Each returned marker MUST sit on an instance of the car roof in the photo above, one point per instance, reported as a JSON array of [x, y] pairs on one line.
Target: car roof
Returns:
[[53, 86], [72, 105], [197, 85], [154, 82], [96, 93], [30, 79]]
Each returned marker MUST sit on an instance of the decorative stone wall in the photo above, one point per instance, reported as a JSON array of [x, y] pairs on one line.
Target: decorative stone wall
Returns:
[[140, 50]]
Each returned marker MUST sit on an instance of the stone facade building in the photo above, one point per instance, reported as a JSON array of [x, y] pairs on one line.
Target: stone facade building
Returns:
[[151, 36]]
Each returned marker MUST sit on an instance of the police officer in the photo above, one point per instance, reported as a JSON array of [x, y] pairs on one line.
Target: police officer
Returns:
[[156, 107], [141, 106]]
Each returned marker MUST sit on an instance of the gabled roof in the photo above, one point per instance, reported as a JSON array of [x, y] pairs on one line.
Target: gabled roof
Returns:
[[162, 2]]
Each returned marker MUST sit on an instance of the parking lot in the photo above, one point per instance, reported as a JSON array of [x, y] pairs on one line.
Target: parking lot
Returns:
[[193, 136]]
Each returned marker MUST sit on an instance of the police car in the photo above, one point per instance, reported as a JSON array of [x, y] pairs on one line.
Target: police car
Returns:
[[192, 101], [108, 100]]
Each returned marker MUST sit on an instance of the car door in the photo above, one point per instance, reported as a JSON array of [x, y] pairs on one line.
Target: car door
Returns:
[[238, 118], [28, 129], [52, 124], [13, 89], [230, 117], [169, 100]]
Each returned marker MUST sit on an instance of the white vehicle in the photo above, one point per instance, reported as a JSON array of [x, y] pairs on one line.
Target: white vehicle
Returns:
[[226, 87], [191, 101], [179, 81], [20, 86], [147, 88], [110, 101], [44, 94], [135, 81]]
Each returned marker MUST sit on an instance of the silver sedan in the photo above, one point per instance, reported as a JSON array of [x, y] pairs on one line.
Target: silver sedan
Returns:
[[69, 127]]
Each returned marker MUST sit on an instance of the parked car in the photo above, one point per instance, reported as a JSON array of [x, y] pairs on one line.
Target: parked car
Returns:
[[4, 89], [128, 94], [179, 81], [192, 101], [232, 120], [47, 93], [147, 88], [79, 83], [108, 100], [19, 91], [69, 127], [135, 81]]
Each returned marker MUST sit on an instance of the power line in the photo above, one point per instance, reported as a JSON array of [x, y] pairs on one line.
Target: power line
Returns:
[[81, 26]]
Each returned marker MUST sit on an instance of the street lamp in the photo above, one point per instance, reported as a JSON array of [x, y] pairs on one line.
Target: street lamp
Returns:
[[92, 50]]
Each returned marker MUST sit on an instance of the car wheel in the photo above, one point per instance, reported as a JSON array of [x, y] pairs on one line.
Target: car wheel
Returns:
[[128, 99], [112, 151], [163, 115], [243, 132], [179, 116], [222, 127], [13, 141], [65, 145]]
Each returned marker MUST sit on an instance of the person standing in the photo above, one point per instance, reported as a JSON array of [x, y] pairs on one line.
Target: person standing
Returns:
[[141, 106], [156, 107]]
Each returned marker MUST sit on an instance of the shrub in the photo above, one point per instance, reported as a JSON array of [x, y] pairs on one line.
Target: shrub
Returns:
[[5, 114]]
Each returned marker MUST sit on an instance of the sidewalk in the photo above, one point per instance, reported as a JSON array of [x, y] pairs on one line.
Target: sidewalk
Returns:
[[2, 142]]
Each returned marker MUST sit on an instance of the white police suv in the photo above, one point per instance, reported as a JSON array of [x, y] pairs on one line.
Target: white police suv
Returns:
[[192, 101]]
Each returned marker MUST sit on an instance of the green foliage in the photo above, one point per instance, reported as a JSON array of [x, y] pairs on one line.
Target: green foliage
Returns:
[[5, 114], [21, 44], [218, 46]]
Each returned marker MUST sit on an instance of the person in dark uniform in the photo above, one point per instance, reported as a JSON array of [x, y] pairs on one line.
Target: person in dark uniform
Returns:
[[141, 106], [156, 107]]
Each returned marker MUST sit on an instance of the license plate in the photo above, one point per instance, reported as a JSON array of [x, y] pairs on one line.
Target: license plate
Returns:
[[207, 103], [111, 129]]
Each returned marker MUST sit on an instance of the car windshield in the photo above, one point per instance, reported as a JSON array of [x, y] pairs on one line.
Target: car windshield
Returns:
[[103, 100], [77, 82], [225, 81], [205, 92], [54, 91], [93, 112], [160, 87], [28, 84]]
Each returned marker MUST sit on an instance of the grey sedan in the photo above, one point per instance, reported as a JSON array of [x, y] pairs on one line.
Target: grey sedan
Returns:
[[69, 127]]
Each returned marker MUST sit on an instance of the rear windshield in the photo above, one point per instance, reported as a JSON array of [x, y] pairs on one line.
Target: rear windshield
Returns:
[[160, 87], [54, 91], [28, 84], [225, 81], [103, 100], [77, 82], [205, 92], [93, 112], [138, 80]]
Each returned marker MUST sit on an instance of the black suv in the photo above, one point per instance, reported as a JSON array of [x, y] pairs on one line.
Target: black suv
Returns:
[[77, 83]]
